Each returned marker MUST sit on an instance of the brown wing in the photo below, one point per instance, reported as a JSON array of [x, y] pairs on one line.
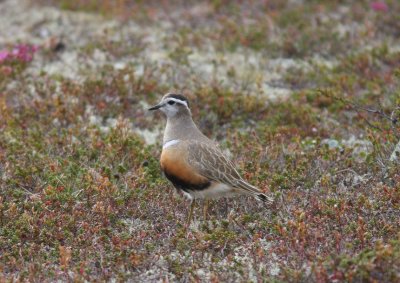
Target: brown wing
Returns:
[[211, 163]]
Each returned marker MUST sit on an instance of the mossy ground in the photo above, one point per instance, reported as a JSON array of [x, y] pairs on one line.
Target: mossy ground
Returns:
[[82, 196]]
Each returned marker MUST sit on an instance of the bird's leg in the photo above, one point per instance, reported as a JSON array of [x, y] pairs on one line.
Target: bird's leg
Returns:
[[192, 204], [205, 208]]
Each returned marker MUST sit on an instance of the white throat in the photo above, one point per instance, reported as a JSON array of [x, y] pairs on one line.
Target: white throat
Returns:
[[170, 143]]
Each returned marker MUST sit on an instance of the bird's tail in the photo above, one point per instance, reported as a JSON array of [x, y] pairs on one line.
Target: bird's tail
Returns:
[[265, 198], [254, 191]]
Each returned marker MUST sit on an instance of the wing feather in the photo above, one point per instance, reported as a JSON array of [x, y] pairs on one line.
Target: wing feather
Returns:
[[211, 163]]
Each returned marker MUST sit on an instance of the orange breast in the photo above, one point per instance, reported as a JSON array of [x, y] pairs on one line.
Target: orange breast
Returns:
[[173, 162]]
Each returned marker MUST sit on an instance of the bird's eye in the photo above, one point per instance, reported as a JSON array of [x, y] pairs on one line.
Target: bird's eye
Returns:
[[171, 102]]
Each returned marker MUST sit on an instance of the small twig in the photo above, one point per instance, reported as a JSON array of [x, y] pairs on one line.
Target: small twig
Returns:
[[368, 122], [347, 169], [379, 112]]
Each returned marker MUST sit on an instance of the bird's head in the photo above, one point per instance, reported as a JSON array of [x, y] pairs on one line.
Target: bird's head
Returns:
[[173, 104]]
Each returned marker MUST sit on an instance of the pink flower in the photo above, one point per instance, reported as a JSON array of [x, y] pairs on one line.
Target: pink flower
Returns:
[[21, 52], [4, 54], [379, 6], [24, 52]]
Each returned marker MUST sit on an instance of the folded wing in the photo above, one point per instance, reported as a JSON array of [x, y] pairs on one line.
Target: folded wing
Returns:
[[211, 163]]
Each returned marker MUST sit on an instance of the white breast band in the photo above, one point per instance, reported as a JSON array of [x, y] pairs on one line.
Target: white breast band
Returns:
[[169, 143]]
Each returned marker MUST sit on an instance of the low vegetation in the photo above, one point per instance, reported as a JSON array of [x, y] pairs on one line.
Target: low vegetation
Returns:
[[82, 196]]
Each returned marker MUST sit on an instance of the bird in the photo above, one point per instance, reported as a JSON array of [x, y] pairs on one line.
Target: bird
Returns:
[[195, 164]]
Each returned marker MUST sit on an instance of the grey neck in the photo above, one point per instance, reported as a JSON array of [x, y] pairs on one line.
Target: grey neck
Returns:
[[182, 127]]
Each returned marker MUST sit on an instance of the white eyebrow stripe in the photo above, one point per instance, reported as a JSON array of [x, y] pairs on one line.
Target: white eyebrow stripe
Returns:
[[170, 143], [177, 101]]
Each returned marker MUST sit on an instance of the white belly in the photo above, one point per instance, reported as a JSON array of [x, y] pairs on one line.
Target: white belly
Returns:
[[215, 191]]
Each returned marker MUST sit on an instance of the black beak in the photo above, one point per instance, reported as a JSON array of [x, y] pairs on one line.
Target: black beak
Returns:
[[155, 107]]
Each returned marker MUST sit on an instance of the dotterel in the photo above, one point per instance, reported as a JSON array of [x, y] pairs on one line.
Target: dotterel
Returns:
[[193, 163]]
